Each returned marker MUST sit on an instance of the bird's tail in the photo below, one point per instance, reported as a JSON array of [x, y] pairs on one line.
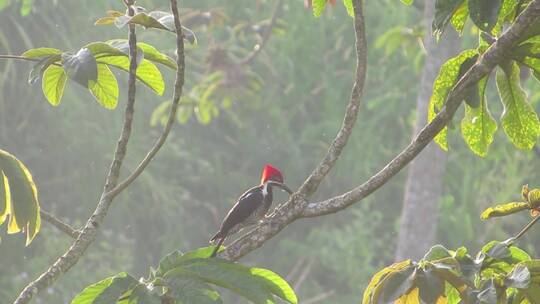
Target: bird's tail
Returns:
[[218, 245]]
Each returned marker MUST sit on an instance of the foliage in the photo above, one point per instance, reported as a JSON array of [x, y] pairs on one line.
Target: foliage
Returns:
[[499, 273], [18, 197], [519, 120], [186, 278], [90, 67], [531, 201]]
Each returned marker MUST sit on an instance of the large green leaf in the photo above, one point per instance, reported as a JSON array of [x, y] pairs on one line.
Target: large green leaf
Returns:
[[373, 290], [20, 197], [504, 209], [104, 49], [519, 120], [105, 89], [187, 288], [478, 126], [430, 286], [39, 68], [318, 7], [152, 54], [397, 284], [444, 10], [276, 284], [147, 72], [227, 275], [484, 13], [53, 84], [448, 75], [176, 258], [257, 285], [506, 14], [81, 67], [41, 52], [5, 208], [106, 291]]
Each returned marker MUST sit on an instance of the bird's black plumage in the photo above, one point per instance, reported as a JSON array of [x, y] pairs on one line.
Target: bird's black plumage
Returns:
[[250, 207]]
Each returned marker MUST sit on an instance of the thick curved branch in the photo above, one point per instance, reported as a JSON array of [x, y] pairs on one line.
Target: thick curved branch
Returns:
[[53, 220], [293, 208], [494, 55], [89, 232], [297, 206], [178, 85], [266, 36]]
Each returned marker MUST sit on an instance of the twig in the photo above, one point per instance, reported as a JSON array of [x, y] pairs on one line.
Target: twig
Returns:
[[18, 57], [303, 275], [67, 229], [265, 37], [179, 83], [89, 232], [511, 240], [320, 297], [297, 207]]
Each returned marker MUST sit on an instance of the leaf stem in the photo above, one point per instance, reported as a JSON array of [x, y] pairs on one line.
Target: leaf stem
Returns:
[[19, 58]]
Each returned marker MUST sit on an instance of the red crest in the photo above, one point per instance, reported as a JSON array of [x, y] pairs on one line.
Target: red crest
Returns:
[[271, 173]]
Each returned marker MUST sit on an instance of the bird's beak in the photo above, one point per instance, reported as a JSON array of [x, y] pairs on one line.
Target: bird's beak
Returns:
[[282, 186]]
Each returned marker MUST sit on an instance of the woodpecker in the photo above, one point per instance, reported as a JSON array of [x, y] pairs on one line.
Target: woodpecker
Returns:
[[251, 206]]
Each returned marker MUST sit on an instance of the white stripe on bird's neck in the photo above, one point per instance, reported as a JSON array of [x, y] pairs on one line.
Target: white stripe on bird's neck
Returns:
[[265, 189]]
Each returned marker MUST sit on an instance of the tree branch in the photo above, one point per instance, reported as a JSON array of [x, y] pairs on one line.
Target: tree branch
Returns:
[[266, 35], [53, 220], [297, 206], [486, 63], [178, 85], [287, 213], [89, 232]]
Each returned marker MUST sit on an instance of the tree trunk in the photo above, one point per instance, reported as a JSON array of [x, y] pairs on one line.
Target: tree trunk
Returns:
[[424, 178]]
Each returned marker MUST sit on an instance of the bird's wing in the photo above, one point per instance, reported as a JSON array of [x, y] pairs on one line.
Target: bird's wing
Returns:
[[244, 207]]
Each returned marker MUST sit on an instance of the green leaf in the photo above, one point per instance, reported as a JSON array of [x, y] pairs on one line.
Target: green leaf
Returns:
[[26, 7], [41, 52], [448, 76], [504, 209], [152, 20], [318, 7], [176, 258], [506, 13], [373, 290], [147, 72], [81, 67], [225, 274], [152, 54], [103, 48], [41, 66], [488, 295], [444, 10], [20, 197], [184, 113], [105, 89], [460, 17], [520, 277], [430, 286], [350, 9], [187, 288], [519, 120], [496, 250], [5, 205], [142, 295], [478, 126], [276, 284], [398, 284], [407, 2], [53, 84], [484, 13], [436, 252], [106, 291]]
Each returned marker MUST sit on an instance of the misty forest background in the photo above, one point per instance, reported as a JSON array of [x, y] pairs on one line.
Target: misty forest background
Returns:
[[283, 109]]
